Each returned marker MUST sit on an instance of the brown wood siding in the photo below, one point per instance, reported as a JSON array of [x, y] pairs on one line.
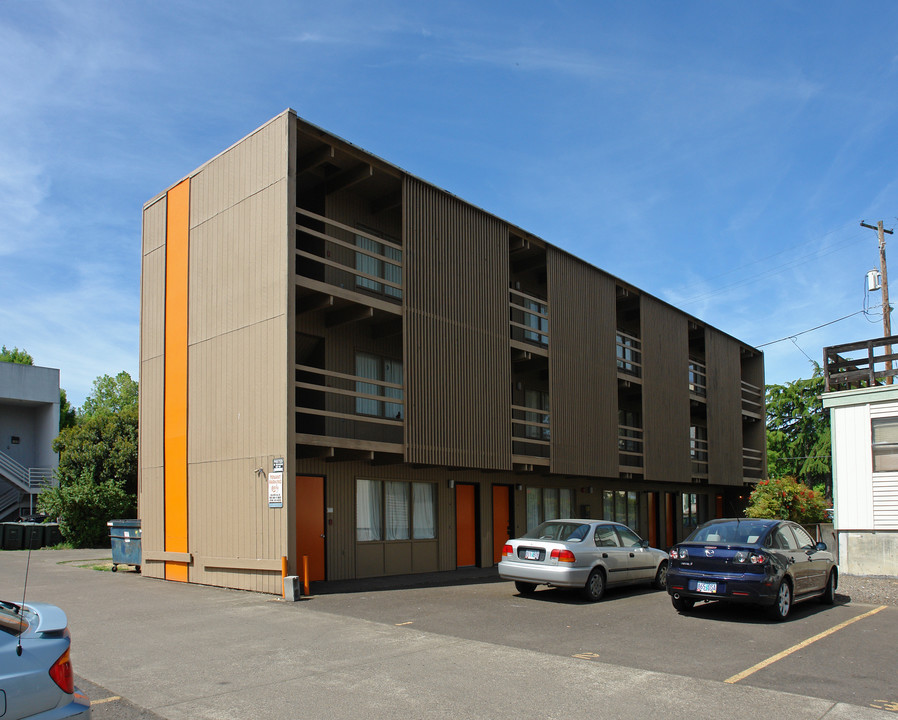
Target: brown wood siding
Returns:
[[665, 389], [152, 347], [456, 332], [237, 378], [724, 409], [582, 370]]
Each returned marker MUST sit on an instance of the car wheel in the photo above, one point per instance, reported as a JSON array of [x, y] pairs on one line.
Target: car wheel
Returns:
[[682, 604], [595, 585], [525, 588], [829, 593], [783, 604], [660, 581]]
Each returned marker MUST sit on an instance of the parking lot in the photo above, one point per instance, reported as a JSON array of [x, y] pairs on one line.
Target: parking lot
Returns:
[[638, 628], [471, 648]]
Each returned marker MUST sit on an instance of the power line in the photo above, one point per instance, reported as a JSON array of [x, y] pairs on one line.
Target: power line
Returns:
[[803, 332]]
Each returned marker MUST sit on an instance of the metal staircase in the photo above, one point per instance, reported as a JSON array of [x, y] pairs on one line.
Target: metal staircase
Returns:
[[19, 481]]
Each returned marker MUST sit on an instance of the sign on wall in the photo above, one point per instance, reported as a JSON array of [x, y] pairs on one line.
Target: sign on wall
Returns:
[[275, 489]]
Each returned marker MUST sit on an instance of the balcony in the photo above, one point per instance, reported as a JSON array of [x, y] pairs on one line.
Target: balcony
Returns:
[[698, 379], [529, 322], [629, 355], [337, 264], [863, 364], [630, 448], [349, 412], [752, 400], [752, 464], [530, 435]]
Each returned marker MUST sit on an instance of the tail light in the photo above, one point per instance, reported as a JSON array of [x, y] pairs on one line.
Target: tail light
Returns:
[[679, 553], [753, 558], [62, 673], [507, 551], [563, 556]]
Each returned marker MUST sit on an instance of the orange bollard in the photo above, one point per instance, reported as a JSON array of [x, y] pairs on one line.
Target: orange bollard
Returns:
[[305, 575], [283, 575]]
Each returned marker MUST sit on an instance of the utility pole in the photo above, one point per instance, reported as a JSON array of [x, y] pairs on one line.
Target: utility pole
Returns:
[[886, 308]]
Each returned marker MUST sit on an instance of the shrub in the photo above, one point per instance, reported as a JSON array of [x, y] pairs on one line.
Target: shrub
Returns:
[[83, 508], [787, 499]]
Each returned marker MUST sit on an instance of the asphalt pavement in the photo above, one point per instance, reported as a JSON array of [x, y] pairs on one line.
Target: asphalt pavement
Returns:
[[146, 648]]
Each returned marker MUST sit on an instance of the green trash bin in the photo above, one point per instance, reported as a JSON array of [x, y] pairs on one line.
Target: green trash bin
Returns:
[[33, 536], [52, 534], [13, 536], [124, 536]]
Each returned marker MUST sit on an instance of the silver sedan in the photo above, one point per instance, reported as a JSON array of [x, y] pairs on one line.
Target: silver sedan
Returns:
[[586, 554]]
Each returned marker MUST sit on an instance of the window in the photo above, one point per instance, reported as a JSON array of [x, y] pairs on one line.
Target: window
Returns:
[[606, 537], [698, 449], [548, 504], [377, 267], [629, 538], [621, 506], [690, 510], [537, 400], [804, 539], [393, 510], [885, 444], [374, 367], [536, 322]]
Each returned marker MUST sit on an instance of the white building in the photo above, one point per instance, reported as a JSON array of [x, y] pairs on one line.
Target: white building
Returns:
[[29, 422], [865, 456]]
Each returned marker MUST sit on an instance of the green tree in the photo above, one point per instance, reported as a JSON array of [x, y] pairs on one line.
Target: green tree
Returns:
[[97, 463], [798, 432], [111, 395], [20, 357], [84, 506], [788, 499], [67, 414]]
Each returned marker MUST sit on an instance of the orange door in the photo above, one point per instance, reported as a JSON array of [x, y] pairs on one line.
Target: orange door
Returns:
[[465, 526], [501, 519], [310, 532]]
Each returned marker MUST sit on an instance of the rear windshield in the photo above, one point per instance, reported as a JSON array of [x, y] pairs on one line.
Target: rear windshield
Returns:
[[10, 621], [562, 531], [737, 532]]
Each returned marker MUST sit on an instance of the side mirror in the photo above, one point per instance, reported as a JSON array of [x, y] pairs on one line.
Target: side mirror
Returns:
[[821, 546], [644, 544]]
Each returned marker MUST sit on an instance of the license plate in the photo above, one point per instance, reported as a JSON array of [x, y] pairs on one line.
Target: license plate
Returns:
[[706, 587], [531, 554]]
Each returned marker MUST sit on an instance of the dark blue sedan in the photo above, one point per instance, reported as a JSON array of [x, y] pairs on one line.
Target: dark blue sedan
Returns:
[[772, 563]]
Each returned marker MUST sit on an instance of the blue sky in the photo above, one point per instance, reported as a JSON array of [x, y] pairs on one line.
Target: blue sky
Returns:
[[717, 155]]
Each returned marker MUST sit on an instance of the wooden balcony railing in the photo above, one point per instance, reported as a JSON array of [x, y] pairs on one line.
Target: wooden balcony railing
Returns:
[[341, 405], [530, 431], [752, 463], [529, 318], [630, 447], [629, 354], [752, 399], [698, 378], [862, 364], [347, 257]]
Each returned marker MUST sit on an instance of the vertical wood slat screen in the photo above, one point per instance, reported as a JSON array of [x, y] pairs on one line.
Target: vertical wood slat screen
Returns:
[[665, 388], [582, 369], [458, 366], [724, 409]]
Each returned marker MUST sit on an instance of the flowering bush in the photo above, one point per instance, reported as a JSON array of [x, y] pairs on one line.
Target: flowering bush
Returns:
[[788, 499]]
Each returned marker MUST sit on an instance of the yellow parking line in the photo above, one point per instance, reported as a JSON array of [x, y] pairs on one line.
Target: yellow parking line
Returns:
[[779, 656], [105, 700]]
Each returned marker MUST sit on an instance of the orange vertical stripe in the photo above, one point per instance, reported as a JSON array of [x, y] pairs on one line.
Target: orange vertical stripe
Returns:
[[176, 256]]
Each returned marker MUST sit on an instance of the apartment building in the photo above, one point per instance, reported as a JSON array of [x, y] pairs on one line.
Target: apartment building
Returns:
[[349, 372]]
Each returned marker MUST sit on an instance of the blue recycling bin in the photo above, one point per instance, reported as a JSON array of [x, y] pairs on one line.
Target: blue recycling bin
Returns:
[[124, 535]]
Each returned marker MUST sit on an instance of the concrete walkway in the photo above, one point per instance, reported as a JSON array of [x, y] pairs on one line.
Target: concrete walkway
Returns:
[[186, 651]]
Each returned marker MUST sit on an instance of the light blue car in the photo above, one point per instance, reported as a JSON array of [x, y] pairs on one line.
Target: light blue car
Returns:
[[36, 676]]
